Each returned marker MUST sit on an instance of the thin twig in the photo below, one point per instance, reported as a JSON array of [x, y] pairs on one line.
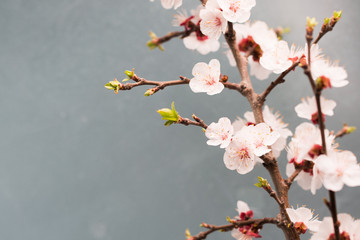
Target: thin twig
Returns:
[[161, 85], [325, 29], [281, 203], [213, 228], [187, 121], [317, 93], [279, 80], [291, 179]]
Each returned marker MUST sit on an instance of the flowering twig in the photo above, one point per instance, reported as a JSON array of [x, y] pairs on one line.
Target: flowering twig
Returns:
[[328, 25], [235, 224], [345, 130], [161, 85], [267, 187], [157, 41], [278, 81], [187, 121], [317, 92], [291, 179]]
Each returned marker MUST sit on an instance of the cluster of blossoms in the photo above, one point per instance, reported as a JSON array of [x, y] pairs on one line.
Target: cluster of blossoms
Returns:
[[303, 219], [244, 141], [246, 232]]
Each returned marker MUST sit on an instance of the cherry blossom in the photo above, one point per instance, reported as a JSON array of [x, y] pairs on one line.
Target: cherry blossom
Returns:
[[306, 143], [236, 10], [167, 4], [278, 59], [315, 53], [206, 78], [220, 133], [239, 155], [348, 228], [308, 110], [197, 40], [262, 136], [336, 169], [213, 23], [330, 75], [257, 38], [305, 177], [296, 53], [248, 142], [273, 120], [246, 232], [180, 18], [201, 43], [303, 219]]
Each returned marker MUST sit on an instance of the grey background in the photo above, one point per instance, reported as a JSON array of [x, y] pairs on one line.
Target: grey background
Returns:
[[79, 162]]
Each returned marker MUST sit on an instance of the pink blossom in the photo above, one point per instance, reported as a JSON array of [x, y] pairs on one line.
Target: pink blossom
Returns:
[[258, 38], [212, 24], [206, 78], [274, 120], [246, 232], [239, 155], [348, 228], [236, 10], [220, 133], [249, 142], [201, 43], [308, 110], [277, 59], [336, 169], [303, 219], [307, 137], [328, 74], [167, 4]]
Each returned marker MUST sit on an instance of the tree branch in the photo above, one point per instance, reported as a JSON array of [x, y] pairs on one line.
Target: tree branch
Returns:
[[187, 121], [325, 29], [291, 179], [213, 228], [317, 93], [161, 85], [278, 81]]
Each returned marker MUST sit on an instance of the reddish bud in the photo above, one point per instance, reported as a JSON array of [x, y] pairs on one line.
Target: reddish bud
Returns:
[[300, 227], [343, 236], [315, 118], [315, 151], [323, 82]]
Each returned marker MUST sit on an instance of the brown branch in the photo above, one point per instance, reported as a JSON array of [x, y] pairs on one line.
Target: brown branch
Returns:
[[203, 2], [291, 179], [158, 85], [325, 29], [187, 121], [317, 93], [161, 85], [213, 228], [344, 131], [278, 81], [332, 208], [280, 202]]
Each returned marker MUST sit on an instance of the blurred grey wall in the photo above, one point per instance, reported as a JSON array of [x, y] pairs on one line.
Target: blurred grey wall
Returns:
[[79, 162]]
